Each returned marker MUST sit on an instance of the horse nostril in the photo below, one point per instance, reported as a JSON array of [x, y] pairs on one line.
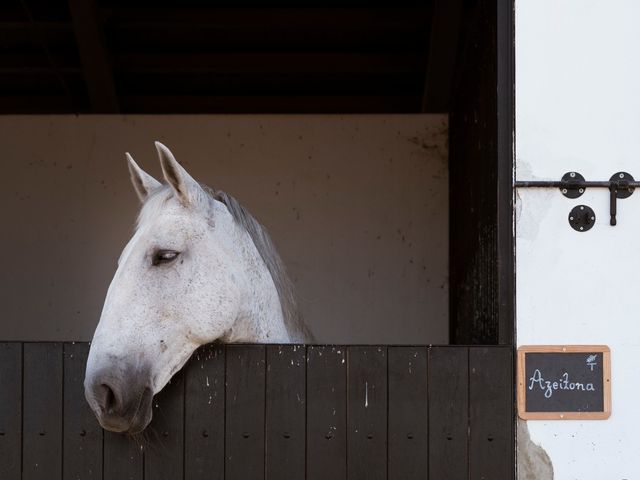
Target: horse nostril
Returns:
[[110, 399], [107, 398]]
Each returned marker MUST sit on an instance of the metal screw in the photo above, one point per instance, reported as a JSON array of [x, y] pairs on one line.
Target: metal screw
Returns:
[[581, 208], [570, 218], [581, 228], [572, 174], [581, 190], [593, 218], [564, 190], [622, 175]]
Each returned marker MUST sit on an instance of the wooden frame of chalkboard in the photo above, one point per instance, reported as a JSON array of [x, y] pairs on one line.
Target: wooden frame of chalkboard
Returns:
[[560, 382]]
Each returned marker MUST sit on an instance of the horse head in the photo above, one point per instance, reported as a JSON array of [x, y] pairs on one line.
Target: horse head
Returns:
[[197, 269]]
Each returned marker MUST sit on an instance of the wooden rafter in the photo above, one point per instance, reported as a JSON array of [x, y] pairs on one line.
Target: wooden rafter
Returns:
[[442, 55], [94, 56]]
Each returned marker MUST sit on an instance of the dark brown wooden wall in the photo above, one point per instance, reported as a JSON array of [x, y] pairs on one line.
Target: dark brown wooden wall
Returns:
[[480, 172], [275, 412]]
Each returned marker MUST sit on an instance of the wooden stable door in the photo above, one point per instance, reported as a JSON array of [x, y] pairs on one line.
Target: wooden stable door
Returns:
[[269, 411]]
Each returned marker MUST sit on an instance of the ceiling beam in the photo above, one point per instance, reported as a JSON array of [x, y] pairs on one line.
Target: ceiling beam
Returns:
[[267, 18], [39, 104], [270, 62], [219, 104], [270, 104], [443, 45], [94, 57]]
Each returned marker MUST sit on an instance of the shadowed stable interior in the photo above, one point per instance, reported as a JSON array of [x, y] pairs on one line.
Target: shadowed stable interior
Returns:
[[134, 57]]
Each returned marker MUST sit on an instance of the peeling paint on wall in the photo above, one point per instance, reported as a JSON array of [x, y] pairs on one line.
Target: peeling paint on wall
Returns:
[[533, 461]]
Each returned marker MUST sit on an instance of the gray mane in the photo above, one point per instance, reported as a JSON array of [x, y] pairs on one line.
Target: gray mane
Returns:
[[297, 329]]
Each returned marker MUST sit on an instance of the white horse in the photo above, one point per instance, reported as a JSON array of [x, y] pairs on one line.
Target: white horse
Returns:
[[199, 268]]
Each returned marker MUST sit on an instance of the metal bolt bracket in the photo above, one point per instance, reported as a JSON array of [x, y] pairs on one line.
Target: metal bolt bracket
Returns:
[[571, 185], [582, 218]]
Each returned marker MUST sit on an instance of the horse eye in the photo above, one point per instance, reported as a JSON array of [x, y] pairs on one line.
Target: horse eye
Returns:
[[164, 256]]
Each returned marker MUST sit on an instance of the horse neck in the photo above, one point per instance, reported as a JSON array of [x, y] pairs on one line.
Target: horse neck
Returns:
[[261, 318]]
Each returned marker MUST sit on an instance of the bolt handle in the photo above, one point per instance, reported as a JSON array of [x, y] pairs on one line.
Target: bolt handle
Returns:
[[613, 207], [619, 188]]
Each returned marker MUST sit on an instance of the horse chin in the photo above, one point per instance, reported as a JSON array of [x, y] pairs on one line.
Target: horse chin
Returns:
[[142, 417], [139, 426]]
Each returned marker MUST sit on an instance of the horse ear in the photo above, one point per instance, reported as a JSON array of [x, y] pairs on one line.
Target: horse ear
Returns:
[[143, 183], [186, 188]]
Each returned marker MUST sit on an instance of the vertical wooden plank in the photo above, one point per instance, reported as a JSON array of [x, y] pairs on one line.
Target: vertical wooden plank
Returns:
[[326, 413], [204, 414], [123, 457], [164, 452], [408, 422], [505, 52], [285, 412], [481, 166], [10, 410], [42, 403], [448, 383], [245, 396], [367, 413], [82, 456], [491, 414]]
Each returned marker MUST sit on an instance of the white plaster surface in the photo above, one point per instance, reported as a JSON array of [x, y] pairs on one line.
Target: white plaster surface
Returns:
[[578, 108]]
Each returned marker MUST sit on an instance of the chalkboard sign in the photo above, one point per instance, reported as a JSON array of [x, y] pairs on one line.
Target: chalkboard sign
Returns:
[[569, 382]]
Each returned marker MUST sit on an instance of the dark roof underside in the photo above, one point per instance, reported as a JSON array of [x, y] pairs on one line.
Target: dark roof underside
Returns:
[[110, 56]]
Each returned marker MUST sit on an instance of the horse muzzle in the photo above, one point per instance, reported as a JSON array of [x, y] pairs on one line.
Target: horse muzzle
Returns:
[[121, 404]]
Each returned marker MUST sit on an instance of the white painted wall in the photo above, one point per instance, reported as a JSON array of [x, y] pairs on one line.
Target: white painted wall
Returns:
[[356, 204], [578, 108]]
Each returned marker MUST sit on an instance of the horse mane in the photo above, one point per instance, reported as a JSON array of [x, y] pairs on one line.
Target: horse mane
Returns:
[[296, 327]]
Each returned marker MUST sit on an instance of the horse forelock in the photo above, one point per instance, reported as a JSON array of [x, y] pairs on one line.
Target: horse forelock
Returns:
[[297, 329]]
